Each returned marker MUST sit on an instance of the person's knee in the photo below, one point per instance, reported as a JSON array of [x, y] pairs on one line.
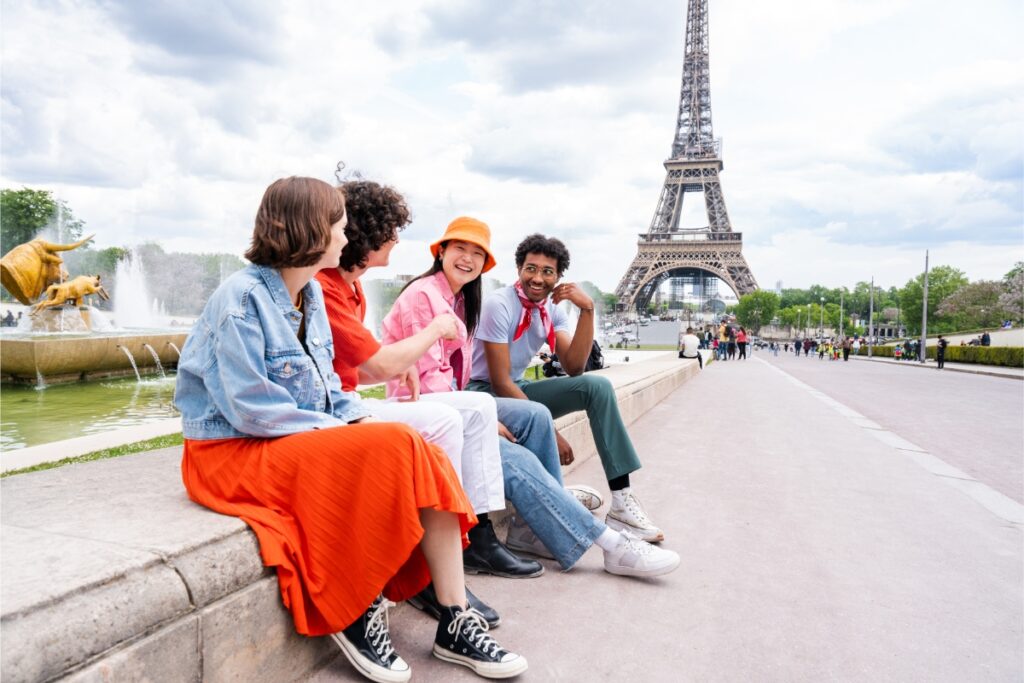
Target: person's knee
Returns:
[[596, 385]]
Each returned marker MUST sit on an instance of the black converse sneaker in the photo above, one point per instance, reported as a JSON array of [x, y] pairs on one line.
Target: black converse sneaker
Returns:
[[462, 638], [367, 644]]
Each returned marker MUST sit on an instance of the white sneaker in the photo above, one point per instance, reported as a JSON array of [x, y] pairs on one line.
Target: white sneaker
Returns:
[[521, 539], [586, 495], [626, 514], [634, 557]]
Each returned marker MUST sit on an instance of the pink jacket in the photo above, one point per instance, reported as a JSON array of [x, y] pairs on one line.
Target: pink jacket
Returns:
[[416, 307]]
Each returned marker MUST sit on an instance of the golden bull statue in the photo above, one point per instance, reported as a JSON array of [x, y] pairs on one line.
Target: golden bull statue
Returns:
[[30, 268], [74, 290]]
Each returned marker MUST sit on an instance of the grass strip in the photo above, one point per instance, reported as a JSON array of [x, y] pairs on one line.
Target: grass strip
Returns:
[[117, 451]]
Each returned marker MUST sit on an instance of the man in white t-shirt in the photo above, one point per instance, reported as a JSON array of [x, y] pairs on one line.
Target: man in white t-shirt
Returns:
[[689, 347], [514, 323]]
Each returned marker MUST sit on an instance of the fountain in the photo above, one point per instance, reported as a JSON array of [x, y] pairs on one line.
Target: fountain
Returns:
[[131, 359], [63, 339], [156, 359]]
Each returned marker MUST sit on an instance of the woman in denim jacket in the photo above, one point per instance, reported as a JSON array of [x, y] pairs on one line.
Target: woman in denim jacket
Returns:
[[345, 507]]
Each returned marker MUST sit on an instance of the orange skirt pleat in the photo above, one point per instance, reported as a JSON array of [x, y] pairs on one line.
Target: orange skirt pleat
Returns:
[[336, 511]]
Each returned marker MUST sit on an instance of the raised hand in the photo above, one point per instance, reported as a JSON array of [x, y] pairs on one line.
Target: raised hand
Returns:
[[446, 325], [570, 291]]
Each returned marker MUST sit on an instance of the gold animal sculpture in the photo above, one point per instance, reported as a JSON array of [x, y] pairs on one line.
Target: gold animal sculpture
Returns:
[[74, 290], [28, 269]]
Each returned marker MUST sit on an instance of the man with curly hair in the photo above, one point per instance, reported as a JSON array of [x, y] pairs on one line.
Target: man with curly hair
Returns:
[[515, 322]]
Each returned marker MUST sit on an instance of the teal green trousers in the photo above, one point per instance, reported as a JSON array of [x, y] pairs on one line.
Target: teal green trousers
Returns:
[[594, 394]]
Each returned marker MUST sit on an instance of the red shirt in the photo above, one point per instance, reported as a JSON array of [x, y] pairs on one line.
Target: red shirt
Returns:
[[346, 310]]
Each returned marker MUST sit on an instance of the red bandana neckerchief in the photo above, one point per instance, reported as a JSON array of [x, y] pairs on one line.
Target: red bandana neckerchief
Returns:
[[524, 322]]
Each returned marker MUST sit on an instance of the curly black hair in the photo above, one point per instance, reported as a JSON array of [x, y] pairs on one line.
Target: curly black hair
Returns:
[[539, 244], [375, 215]]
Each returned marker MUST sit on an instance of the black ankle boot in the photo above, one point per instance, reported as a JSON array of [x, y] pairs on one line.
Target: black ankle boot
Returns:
[[487, 555], [426, 601]]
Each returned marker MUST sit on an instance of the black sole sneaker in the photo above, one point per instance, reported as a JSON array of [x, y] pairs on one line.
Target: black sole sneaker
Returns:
[[462, 638], [366, 643]]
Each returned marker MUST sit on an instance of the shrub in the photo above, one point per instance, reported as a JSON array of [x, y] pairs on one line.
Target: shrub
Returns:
[[1007, 356]]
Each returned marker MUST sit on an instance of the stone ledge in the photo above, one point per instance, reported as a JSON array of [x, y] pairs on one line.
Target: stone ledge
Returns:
[[111, 573]]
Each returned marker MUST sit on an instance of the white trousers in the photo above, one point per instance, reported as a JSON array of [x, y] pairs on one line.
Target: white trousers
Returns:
[[465, 425]]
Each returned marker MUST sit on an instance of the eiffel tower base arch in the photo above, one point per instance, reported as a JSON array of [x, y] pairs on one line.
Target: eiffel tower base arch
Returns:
[[655, 263]]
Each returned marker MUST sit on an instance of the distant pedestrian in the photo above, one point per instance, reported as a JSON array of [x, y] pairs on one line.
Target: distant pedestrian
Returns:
[[807, 348], [907, 348], [731, 334], [741, 343], [940, 352], [847, 347], [689, 347], [986, 340]]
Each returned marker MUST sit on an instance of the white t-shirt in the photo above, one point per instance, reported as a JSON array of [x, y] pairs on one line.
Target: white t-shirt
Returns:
[[499, 319], [691, 345]]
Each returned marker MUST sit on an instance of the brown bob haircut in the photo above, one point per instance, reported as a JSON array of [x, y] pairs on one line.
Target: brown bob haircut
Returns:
[[293, 224]]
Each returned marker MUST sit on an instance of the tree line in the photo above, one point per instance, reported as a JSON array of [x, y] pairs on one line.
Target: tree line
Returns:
[[180, 282], [955, 304]]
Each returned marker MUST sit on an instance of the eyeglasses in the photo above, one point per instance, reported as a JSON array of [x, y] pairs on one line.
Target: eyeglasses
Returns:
[[547, 272]]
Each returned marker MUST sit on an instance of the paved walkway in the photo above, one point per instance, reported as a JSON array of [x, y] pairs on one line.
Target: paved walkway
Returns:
[[817, 545]]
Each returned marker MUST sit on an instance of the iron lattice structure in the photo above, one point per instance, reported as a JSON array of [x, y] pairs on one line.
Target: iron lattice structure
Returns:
[[665, 250]]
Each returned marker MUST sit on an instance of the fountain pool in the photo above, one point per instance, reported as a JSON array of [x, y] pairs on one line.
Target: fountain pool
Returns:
[[29, 417]]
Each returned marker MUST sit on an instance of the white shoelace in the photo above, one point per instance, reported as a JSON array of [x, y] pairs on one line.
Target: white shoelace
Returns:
[[475, 628], [378, 630], [633, 505], [637, 545]]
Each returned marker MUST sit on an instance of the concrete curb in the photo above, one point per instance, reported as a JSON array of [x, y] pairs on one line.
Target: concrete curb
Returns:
[[1009, 373], [110, 572]]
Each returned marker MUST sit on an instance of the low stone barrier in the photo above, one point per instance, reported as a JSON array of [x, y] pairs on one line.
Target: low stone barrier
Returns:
[[110, 572]]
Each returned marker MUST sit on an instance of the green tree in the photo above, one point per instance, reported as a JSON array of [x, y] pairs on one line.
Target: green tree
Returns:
[[942, 282], [26, 212], [610, 300], [974, 305], [756, 309], [1012, 298]]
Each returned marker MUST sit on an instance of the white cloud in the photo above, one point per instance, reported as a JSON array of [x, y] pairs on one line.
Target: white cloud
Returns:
[[864, 131]]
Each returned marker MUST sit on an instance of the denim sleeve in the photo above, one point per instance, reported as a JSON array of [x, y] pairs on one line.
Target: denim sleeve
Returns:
[[348, 405], [245, 395]]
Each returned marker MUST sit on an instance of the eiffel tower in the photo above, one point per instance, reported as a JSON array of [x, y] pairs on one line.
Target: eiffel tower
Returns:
[[695, 255]]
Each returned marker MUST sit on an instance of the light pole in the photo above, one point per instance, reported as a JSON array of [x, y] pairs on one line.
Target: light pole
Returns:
[[808, 321], [840, 314], [821, 322], [924, 311], [871, 316], [799, 317]]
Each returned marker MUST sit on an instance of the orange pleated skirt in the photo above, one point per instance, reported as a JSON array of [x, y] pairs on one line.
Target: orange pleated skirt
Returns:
[[336, 511]]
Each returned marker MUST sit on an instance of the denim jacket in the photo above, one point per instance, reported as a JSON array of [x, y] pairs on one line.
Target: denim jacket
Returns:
[[244, 373]]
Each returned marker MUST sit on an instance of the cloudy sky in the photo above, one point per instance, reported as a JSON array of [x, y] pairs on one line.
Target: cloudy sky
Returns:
[[856, 134]]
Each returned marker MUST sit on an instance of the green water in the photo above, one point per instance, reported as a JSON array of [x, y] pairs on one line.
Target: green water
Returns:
[[29, 416]]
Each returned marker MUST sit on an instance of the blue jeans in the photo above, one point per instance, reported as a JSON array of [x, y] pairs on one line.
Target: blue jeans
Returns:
[[533, 482]]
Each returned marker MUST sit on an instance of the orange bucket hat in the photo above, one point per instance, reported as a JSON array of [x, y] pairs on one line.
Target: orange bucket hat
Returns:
[[468, 230]]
